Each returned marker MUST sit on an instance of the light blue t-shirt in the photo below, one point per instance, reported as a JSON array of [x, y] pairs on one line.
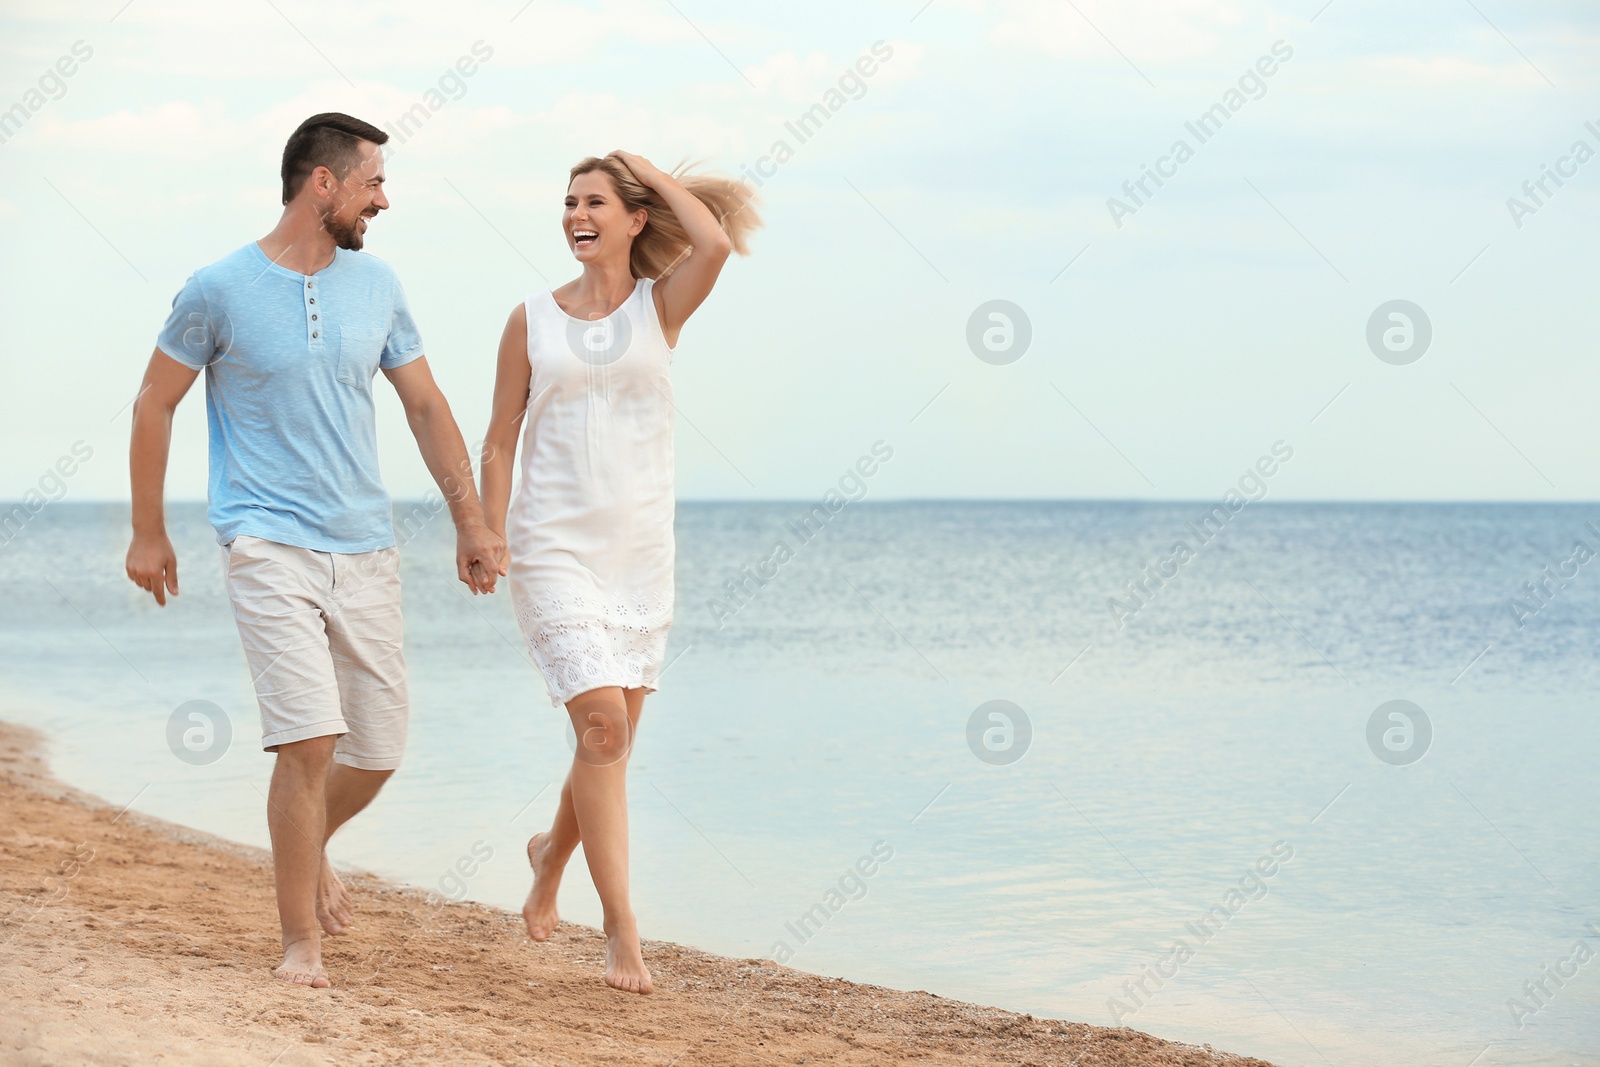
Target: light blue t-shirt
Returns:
[[289, 361]]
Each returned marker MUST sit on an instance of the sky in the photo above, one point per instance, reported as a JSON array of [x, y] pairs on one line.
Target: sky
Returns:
[[1153, 343]]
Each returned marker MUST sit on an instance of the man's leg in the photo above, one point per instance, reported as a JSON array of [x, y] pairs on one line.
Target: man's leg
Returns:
[[276, 591], [365, 638], [296, 817], [349, 789]]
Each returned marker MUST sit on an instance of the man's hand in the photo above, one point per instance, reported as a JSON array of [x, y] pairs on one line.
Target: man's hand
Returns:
[[480, 556], [153, 565]]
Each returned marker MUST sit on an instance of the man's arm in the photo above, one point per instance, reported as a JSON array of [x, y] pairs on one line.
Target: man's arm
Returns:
[[152, 564], [445, 453]]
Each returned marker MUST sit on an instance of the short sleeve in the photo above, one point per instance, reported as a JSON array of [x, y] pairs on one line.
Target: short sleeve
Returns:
[[192, 333], [404, 343]]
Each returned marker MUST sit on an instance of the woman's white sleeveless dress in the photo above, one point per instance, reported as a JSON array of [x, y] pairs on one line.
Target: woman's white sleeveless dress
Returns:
[[590, 527]]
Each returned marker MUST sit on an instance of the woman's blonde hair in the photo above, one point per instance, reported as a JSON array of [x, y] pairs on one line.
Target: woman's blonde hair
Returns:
[[663, 243]]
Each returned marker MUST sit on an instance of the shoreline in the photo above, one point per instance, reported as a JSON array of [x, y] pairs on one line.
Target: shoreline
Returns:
[[128, 939]]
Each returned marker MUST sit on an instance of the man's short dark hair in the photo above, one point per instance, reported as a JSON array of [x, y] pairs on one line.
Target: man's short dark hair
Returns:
[[331, 140]]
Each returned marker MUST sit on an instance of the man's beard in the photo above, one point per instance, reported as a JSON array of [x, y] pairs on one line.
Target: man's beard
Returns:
[[346, 235]]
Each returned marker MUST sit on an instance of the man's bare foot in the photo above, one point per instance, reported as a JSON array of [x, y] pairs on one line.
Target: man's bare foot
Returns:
[[539, 911], [333, 901], [625, 969], [302, 965]]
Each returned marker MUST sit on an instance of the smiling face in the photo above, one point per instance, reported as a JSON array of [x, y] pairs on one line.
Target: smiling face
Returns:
[[348, 203], [597, 224]]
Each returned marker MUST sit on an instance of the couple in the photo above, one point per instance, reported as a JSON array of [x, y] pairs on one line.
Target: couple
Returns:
[[291, 331]]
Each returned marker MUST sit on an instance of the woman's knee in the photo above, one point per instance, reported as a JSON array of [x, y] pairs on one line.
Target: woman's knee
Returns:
[[601, 722]]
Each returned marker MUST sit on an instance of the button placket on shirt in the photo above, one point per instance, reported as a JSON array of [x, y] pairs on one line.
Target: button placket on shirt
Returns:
[[313, 315]]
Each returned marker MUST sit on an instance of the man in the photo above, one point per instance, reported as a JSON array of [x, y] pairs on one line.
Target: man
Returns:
[[290, 331]]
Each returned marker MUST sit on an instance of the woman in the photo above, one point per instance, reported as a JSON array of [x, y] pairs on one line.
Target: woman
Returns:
[[589, 536]]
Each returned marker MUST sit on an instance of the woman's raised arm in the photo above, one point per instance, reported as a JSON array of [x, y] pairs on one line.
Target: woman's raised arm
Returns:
[[690, 283]]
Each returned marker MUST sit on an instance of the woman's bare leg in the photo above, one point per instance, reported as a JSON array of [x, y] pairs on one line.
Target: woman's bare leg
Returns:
[[594, 809], [549, 851]]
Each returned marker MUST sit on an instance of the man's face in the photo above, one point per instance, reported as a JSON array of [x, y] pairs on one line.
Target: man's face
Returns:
[[356, 199]]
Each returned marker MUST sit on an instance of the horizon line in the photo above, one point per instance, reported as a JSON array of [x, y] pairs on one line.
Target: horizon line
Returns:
[[407, 500]]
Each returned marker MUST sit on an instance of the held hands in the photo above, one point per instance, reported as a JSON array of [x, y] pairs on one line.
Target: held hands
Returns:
[[481, 556], [153, 566]]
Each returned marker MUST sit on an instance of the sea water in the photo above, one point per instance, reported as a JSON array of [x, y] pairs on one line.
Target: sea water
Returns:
[[1031, 754]]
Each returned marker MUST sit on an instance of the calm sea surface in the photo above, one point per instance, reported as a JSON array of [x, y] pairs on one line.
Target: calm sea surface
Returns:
[[1103, 856]]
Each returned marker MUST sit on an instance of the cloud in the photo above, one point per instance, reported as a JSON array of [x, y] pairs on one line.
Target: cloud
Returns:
[[364, 40], [903, 66], [1150, 32], [457, 130], [796, 79], [788, 76], [1452, 70], [177, 129], [577, 117], [190, 130]]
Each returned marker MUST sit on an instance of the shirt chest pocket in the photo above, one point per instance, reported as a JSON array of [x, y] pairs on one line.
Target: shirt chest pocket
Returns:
[[360, 348]]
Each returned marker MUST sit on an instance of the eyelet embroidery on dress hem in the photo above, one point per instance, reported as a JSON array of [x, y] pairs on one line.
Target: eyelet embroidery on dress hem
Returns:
[[582, 641]]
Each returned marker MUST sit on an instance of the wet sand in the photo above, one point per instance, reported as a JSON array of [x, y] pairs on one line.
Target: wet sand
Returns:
[[128, 940]]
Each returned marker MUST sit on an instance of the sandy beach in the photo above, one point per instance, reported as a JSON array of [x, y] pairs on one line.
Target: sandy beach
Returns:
[[130, 940]]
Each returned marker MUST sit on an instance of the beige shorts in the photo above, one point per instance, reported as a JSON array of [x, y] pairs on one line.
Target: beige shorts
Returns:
[[322, 637]]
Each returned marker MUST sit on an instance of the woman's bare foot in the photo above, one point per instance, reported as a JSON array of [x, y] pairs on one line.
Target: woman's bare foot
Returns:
[[539, 911], [333, 901], [302, 965], [625, 969]]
